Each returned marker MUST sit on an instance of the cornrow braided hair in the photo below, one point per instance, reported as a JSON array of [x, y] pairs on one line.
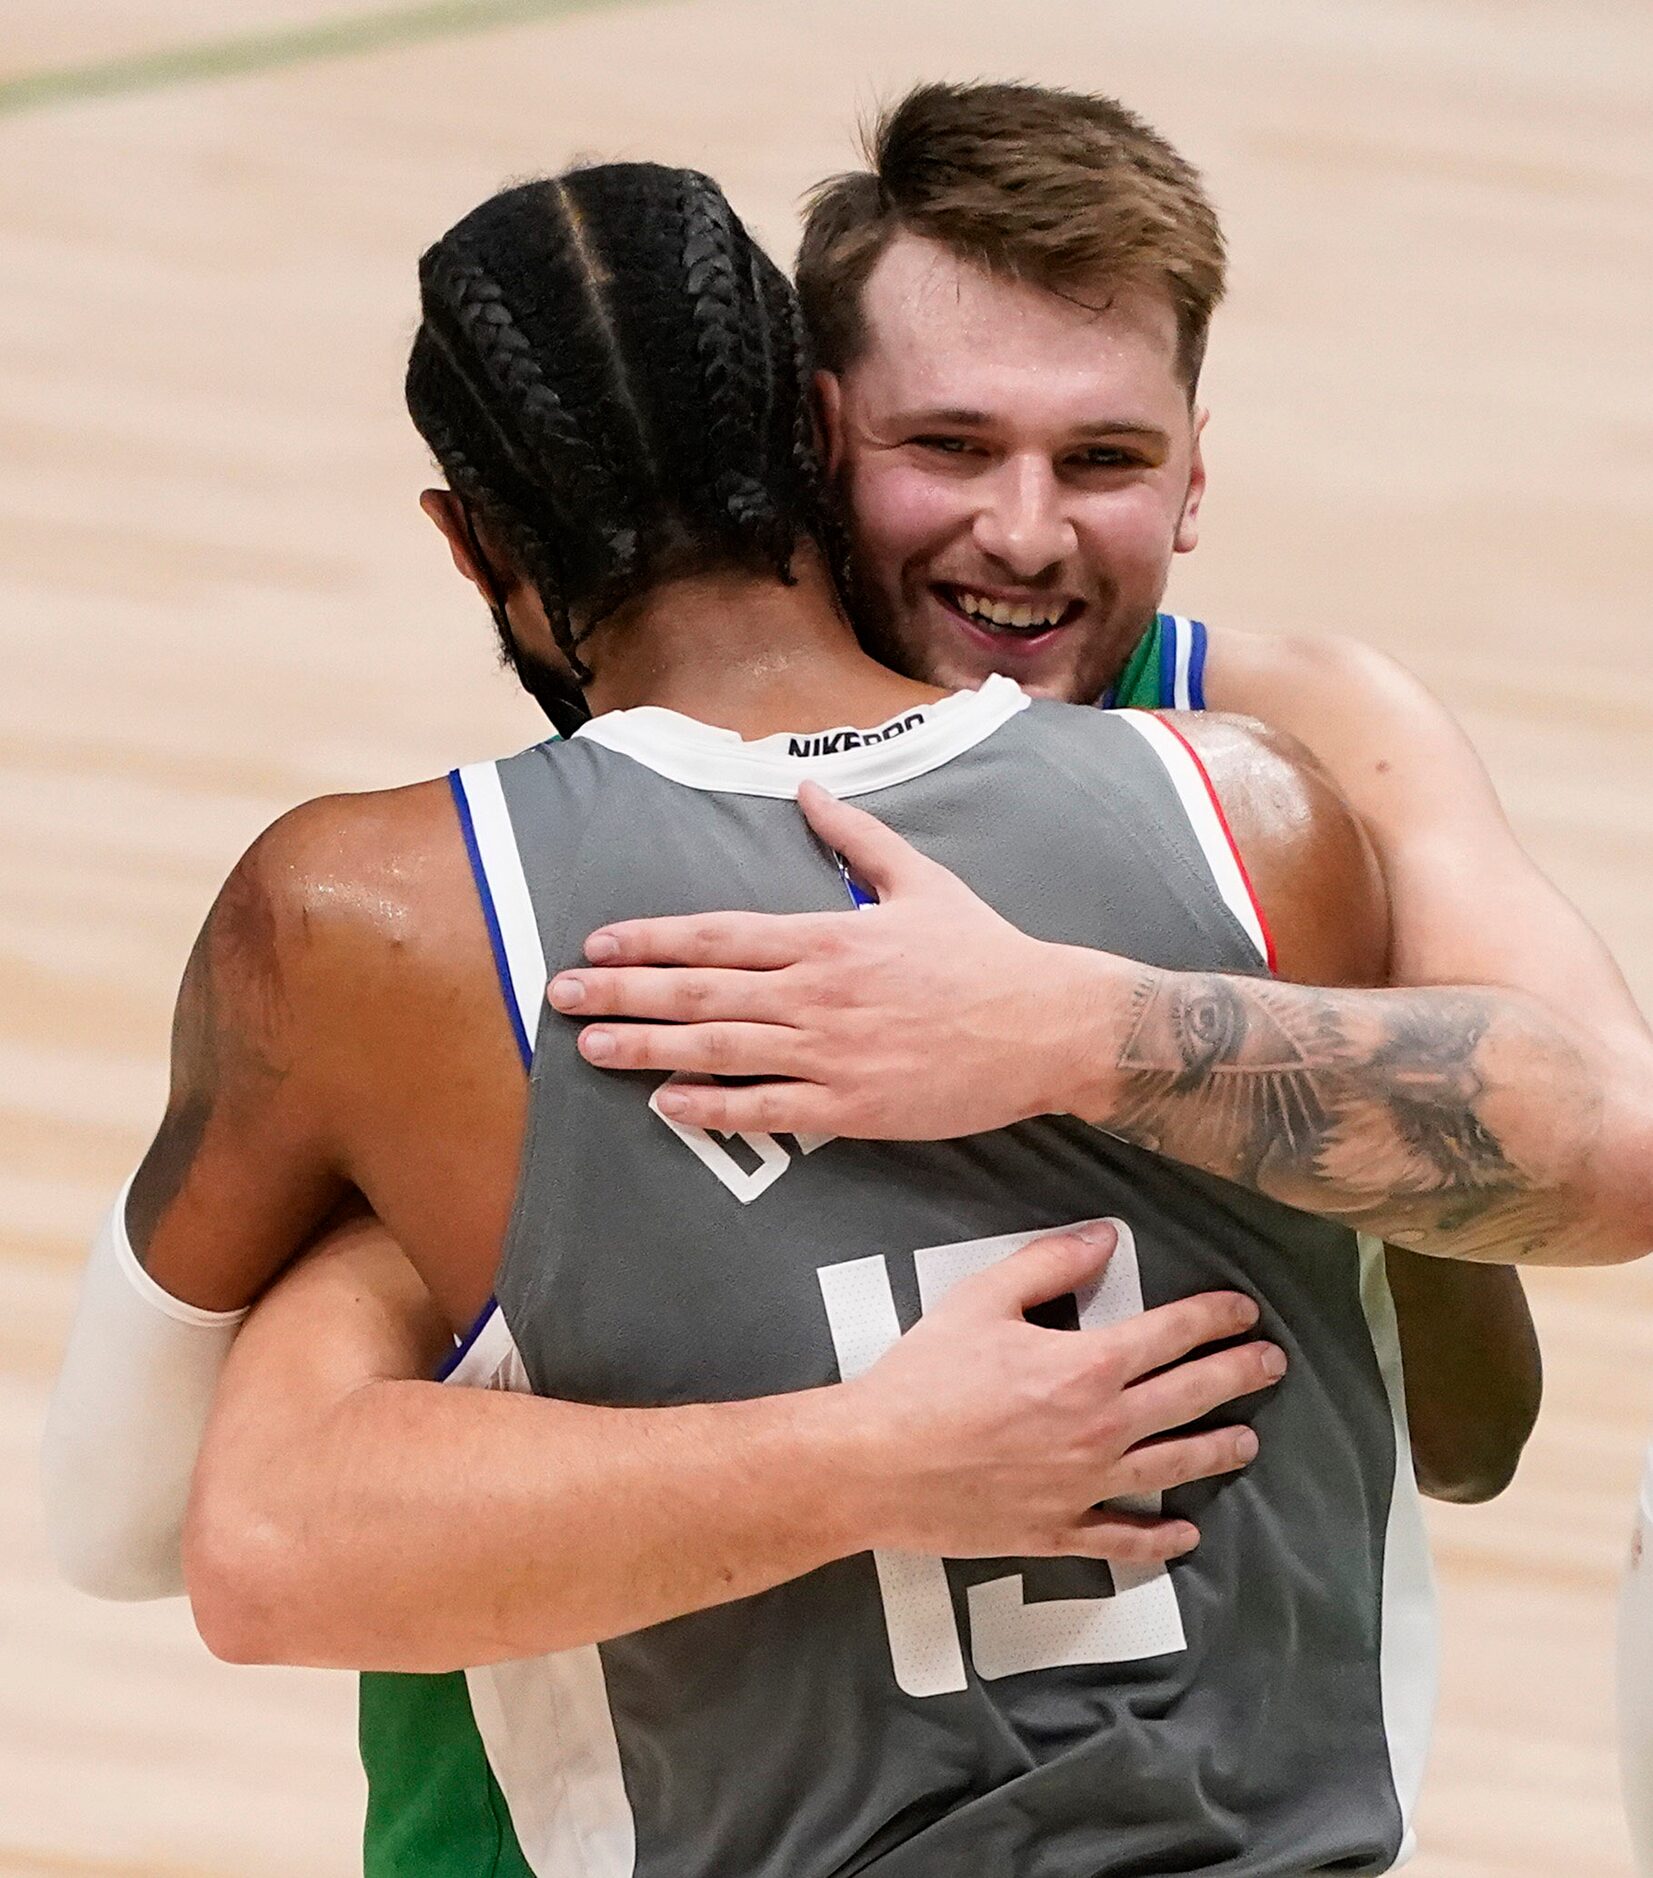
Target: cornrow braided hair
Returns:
[[720, 275], [613, 377]]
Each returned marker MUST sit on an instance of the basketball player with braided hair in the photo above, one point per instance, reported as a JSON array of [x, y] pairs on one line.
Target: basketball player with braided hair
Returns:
[[758, 1584], [1011, 302]]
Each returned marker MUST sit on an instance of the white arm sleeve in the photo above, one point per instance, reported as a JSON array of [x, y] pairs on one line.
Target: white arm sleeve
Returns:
[[1636, 1682], [125, 1424]]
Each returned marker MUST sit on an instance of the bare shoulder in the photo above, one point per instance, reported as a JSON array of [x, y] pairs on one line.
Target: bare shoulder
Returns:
[[1269, 771], [369, 877], [1305, 852], [1389, 742], [344, 909], [1247, 671], [353, 861], [1273, 788], [331, 897]]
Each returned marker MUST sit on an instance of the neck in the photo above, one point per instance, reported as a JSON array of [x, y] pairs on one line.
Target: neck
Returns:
[[744, 653]]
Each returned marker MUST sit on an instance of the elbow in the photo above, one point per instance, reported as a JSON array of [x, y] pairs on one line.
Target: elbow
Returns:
[[1616, 1198], [242, 1592], [1637, 1240], [1464, 1470], [1619, 1237], [1468, 1486]]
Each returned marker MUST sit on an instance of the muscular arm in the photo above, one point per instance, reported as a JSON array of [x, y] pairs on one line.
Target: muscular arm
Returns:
[[558, 1524], [248, 1163], [1467, 905], [345, 1514], [241, 1171], [1463, 1122], [1471, 1359], [240, 1174]]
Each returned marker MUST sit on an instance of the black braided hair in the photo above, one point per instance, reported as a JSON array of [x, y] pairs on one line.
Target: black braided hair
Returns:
[[613, 377]]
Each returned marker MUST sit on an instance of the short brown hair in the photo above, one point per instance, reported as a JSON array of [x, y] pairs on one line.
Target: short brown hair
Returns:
[[1053, 187]]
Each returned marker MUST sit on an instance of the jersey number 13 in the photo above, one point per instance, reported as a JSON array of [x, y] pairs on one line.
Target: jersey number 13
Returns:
[[1008, 1635]]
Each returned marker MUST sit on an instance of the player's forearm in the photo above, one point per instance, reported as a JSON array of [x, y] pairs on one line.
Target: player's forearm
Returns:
[[1459, 1122], [1474, 1377], [419, 1527]]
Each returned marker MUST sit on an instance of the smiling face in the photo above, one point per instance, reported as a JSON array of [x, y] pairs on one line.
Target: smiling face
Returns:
[[1018, 470]]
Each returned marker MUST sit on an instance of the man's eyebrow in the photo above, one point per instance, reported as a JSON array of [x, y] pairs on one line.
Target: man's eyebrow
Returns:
[[1121, 427], [963, 418], [949, 414]]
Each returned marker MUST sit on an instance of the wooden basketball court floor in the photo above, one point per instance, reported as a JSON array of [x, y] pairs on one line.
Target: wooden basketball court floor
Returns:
[[1433, 396]]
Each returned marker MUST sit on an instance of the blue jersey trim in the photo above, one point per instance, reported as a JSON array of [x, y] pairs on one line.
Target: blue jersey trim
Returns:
[[1168, 661], [496, 943], [859, 895], [1196, 664], [496, 939], [462, 1348]]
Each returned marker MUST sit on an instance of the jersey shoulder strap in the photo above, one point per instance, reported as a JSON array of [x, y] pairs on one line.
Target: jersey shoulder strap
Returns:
[[485, 1357], [1166, 669], [502, 887], [1204, 811]]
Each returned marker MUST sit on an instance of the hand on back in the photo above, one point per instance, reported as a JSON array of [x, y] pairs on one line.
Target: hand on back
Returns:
[[987, 1436], [920, 1018]]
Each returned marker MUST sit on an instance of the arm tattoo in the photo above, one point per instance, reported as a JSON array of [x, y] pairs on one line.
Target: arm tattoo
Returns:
[[1390, 1111], [227, 1041]]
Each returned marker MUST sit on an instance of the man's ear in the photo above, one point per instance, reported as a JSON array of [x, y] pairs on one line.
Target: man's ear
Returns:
[[1188, 524], [443, 508], [827, 402]]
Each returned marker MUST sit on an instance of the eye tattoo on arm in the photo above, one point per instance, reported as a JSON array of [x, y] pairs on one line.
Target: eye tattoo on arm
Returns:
[[1395, 1112]]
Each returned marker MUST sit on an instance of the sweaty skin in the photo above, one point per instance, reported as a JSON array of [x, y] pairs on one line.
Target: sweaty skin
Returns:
[[721, 1501], [1003, 443], [1471, 1377], [1125, 471], [341, 1042]]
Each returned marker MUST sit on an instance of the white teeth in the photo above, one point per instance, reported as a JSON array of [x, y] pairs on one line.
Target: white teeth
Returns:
[[1003, 613]]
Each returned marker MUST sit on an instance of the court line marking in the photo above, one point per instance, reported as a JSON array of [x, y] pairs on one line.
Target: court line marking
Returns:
[[242, 53]]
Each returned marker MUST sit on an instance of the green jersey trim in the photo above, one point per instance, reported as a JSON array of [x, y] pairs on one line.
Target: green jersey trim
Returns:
[[1166, 669], [434, 1808]]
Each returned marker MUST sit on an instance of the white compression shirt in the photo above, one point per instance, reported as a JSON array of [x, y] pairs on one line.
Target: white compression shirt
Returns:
[[126, 1422]]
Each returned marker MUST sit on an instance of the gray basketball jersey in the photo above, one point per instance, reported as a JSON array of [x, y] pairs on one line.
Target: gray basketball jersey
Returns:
[[1259, 1707]]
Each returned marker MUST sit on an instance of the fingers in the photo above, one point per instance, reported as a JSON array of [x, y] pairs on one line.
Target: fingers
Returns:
[[770, 1108], [1192, 1389], [1047, 1268], [675, 995], [1157, 1466], [705, 1049], [747, 941], [876, 855], [1170, 1331], [1129, 1538]]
